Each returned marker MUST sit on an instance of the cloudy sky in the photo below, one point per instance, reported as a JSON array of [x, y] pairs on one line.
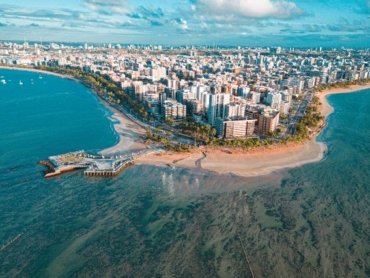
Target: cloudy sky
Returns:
[[311, 23]]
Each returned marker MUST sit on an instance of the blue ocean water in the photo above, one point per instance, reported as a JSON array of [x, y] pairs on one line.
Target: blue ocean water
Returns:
[[42, 115], [312, 219]]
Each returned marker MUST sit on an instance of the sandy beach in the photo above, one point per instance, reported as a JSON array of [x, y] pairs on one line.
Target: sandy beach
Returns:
[[257, 162], [250, 163], [254, 162], [131, 135]]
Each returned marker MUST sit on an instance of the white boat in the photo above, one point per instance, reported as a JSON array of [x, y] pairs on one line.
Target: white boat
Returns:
[[40, 77], [20, 82], [3, 81]]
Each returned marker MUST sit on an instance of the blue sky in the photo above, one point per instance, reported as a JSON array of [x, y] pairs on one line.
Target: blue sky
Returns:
[[312, 23]]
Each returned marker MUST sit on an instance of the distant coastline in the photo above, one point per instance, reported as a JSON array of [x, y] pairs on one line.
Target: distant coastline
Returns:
[[248, 163], [38, 71]]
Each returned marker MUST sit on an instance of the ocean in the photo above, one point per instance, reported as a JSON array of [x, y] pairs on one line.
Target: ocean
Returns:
[[156, 221]]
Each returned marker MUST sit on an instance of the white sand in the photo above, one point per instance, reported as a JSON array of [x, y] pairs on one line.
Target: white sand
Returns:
[[244, 163], [131, 135]]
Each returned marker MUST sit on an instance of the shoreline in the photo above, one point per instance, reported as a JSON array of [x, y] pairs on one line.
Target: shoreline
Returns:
[[222, 160], [40, 71], [130, 134], [326, 109], [260, 161], [250, 163]]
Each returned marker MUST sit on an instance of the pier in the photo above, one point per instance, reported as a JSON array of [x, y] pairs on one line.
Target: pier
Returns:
[[108, 170], [93, 165]]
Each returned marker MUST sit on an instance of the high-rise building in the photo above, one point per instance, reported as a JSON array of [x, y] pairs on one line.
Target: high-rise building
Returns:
[[284, 108], [286, 96], [184, 95], [205, 101], [173, 84], [251, 126], [233, 110], [231, 128], [235, 128], [173, 109], [268, 121], [217, 107], [273, 99], [255, 97], [158, 73], [193, 107]]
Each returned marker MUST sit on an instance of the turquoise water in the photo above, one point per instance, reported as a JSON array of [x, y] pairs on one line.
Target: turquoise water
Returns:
[[175, 222], [48, 116]]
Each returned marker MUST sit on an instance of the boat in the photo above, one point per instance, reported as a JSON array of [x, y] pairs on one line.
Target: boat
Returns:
[[20, 82], [40, 77], [3, 81]]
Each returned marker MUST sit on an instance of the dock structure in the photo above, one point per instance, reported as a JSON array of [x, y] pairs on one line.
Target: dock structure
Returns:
[[108, 170], [94, 165]]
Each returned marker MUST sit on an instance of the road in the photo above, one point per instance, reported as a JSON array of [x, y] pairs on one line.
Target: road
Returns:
[[167, 130], [294, 119]]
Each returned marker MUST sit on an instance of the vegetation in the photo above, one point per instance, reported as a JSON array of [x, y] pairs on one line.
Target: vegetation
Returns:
[[311, 119], [342, 84], [166, 142], [276, 133], [103, 86], [204, 134], [201, 133], [152, 137], [170, 121], [244, 143]]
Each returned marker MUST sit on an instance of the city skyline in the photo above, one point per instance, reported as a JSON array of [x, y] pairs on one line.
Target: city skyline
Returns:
[[329, 23]]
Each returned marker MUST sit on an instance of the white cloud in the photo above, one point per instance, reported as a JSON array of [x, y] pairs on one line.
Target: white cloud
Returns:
[[250, 8], [181, 24], [108, 6]]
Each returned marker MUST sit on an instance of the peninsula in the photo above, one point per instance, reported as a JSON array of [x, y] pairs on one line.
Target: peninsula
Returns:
[[215, 111]]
